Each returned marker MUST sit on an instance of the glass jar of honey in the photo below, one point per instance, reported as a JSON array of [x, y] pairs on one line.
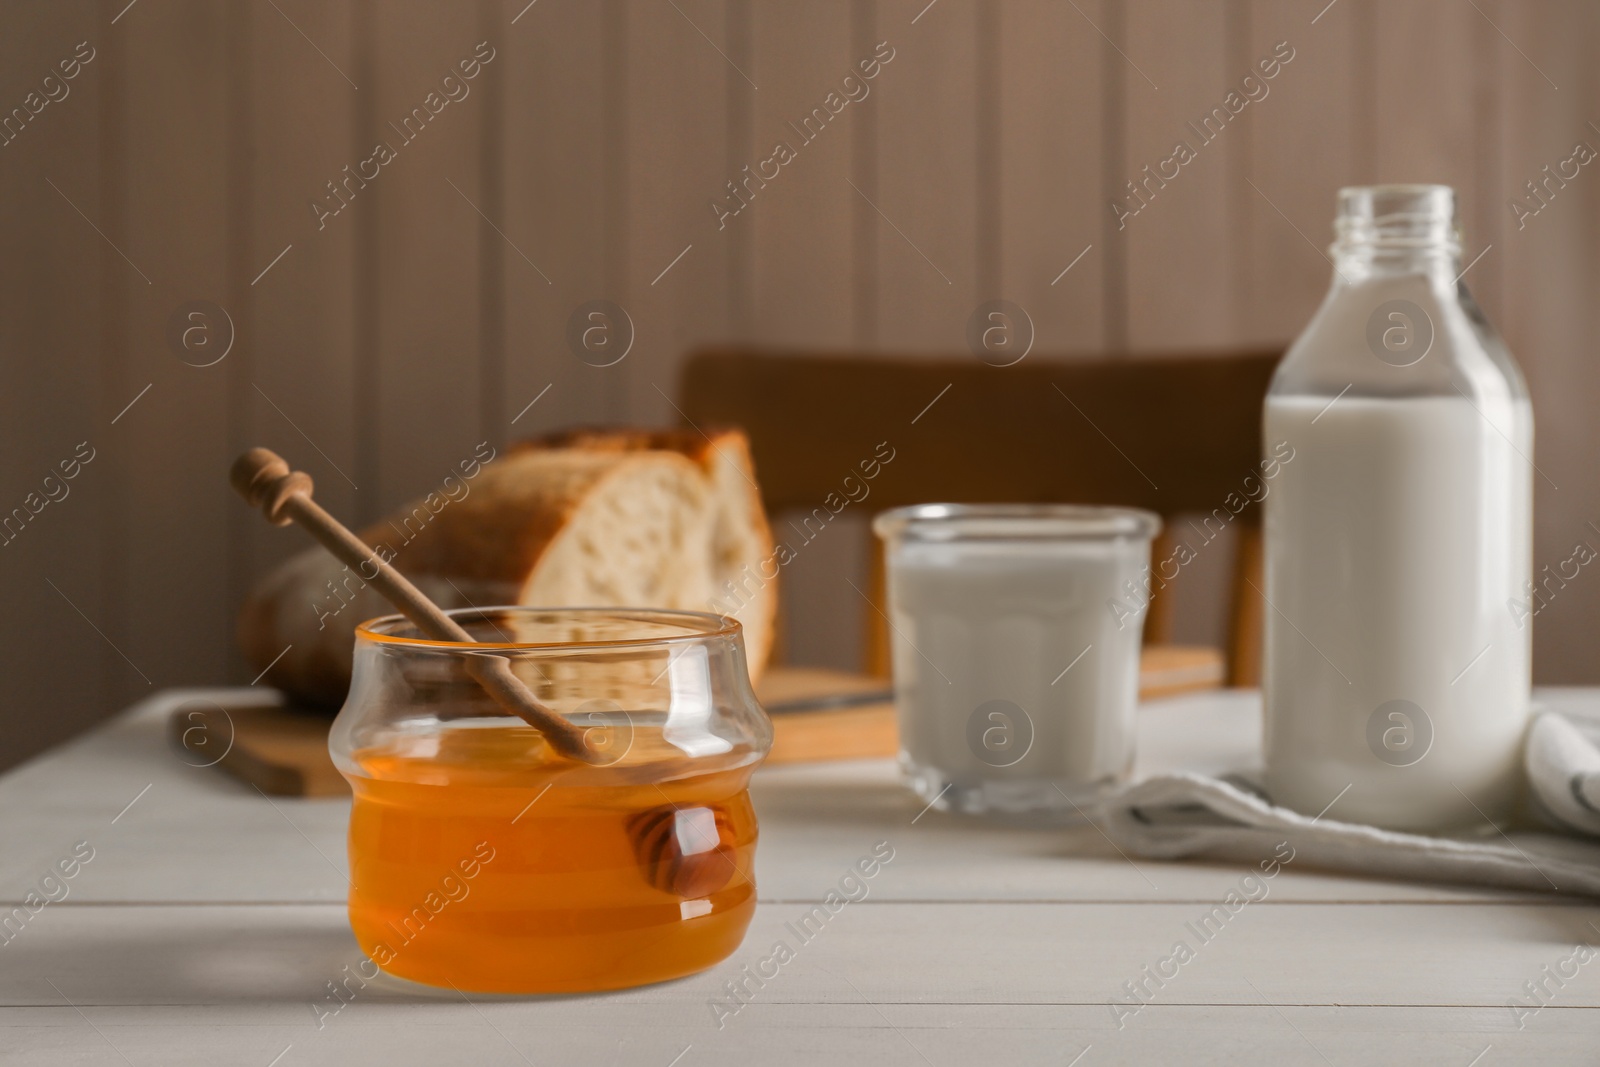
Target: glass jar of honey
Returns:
[[482, 859]]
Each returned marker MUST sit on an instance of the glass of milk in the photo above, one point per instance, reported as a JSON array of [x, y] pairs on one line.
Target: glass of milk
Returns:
[[1398, 539], [1016, 657]]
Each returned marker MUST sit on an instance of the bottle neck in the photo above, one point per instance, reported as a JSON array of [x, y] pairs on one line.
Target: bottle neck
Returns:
[[1365, 263], [1396, 231]]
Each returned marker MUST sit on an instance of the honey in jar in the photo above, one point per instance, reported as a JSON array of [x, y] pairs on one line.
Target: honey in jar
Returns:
[[483, 860]]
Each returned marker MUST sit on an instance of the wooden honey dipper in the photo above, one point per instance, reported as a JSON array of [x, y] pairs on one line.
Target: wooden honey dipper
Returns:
[[266, 481]]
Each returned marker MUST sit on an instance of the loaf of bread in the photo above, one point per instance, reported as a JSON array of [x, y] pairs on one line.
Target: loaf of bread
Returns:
[[590, 518]]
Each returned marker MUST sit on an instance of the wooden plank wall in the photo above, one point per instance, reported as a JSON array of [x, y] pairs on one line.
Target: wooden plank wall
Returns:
[[381, 344]]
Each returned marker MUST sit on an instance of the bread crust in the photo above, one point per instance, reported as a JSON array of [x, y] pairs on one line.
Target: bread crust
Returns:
[[485, 547], [516, 509]]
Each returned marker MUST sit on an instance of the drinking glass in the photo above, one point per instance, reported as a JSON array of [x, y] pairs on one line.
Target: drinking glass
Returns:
[[1015, 648]]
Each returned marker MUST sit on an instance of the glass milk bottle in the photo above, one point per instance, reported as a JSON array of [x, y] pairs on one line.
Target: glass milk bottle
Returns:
[[1398, 538]]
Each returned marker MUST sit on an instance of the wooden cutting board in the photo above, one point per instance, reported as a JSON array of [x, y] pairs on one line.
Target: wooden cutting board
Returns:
[[816, 715]]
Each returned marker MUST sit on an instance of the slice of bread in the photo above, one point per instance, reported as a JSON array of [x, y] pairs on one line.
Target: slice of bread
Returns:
[[587, 518]]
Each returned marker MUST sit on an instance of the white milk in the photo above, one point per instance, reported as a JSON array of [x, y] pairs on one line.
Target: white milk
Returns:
[[1015, 680], [1397, 539]]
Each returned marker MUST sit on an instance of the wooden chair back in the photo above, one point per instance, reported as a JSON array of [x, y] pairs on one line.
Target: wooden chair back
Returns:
[[1174, 434]]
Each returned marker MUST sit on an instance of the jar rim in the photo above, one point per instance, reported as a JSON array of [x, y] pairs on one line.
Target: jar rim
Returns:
[[697, 625], [1006, 522]]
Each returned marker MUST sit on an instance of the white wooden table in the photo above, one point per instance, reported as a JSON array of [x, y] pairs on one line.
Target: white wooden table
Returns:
[[207, 923]]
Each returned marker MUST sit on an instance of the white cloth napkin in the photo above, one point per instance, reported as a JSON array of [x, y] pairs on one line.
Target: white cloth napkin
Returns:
[[1231, 818]]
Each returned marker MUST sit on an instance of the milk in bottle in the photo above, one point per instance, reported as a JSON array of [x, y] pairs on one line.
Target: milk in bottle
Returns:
[[1398, 542]]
